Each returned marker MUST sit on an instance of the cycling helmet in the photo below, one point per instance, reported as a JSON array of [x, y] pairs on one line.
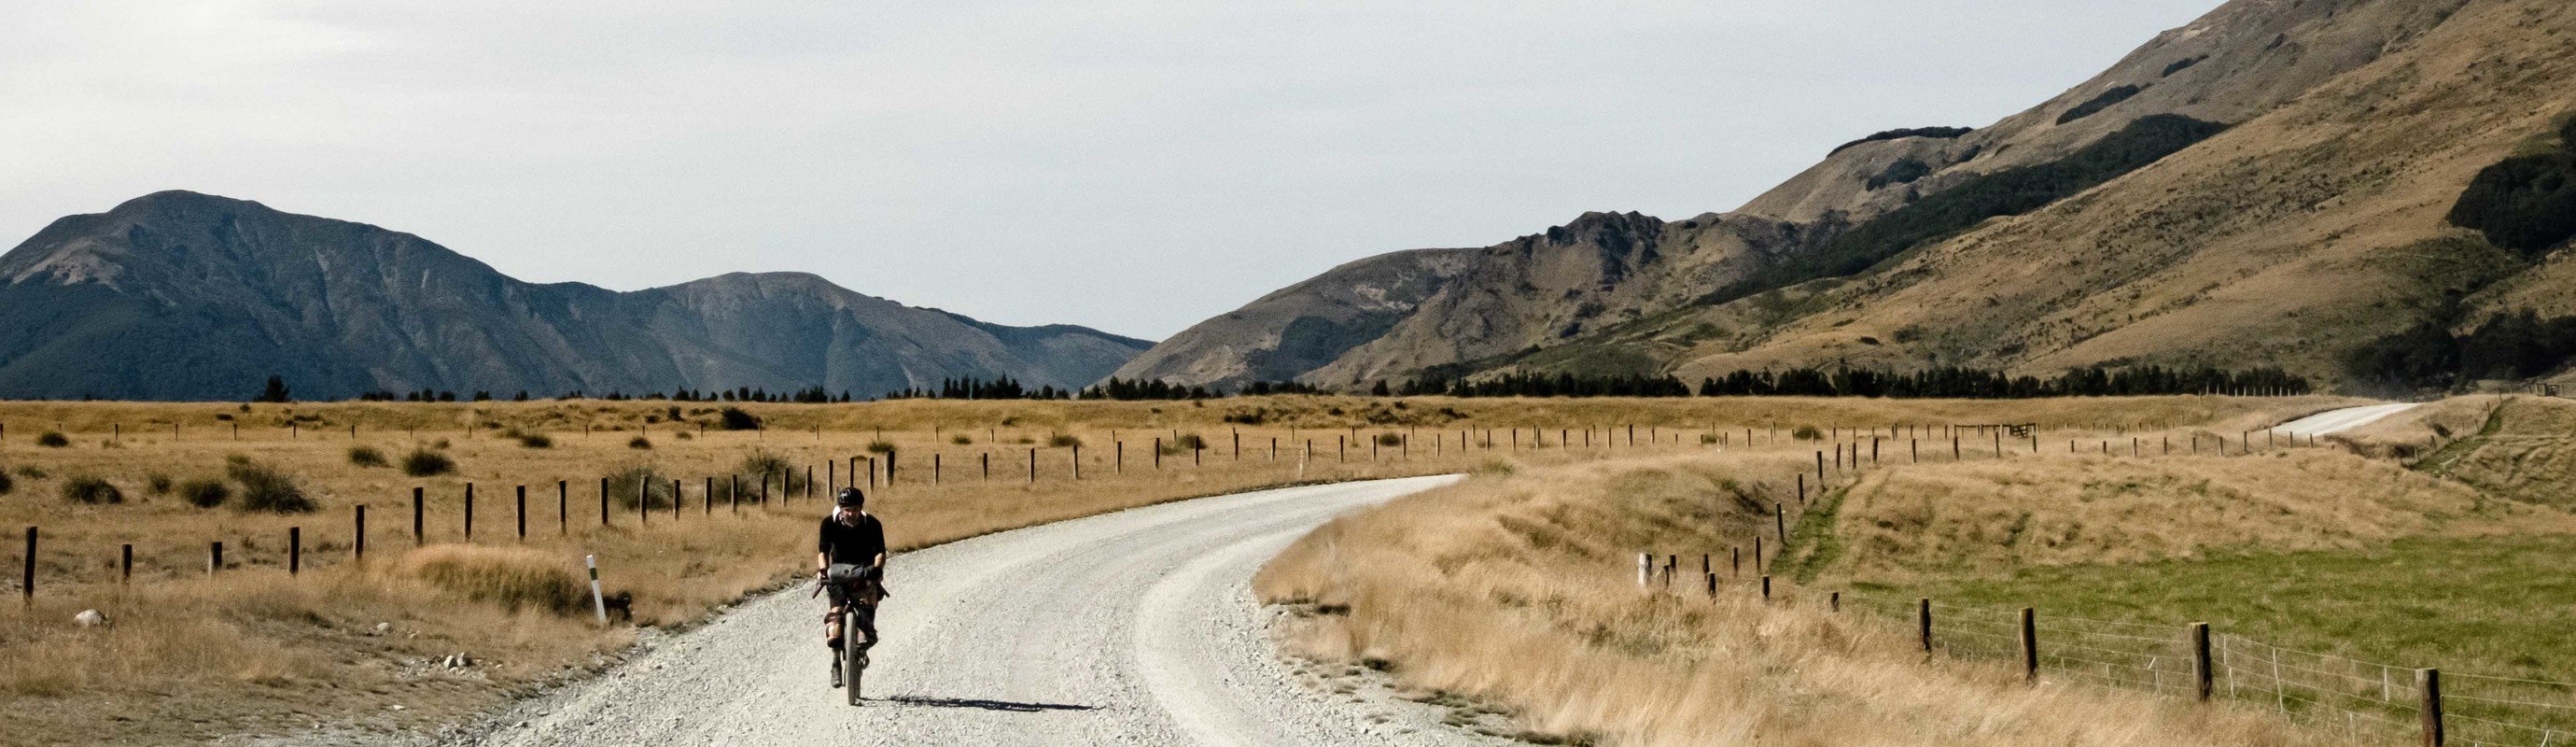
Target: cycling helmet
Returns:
[[850, 498]]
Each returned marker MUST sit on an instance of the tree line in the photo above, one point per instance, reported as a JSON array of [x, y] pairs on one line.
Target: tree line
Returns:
[[1942, 383]]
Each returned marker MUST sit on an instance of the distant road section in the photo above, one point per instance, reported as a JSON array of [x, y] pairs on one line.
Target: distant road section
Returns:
[[1132, 628], [2332, 422]]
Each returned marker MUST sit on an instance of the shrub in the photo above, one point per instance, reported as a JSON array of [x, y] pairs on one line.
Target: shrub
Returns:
[[1707, 438], [962, 440], [766, 462], [640, 442], [157, 484], [426, 463], [624, 482], [736, 419], [91, 490], [880, 447], [30, 471], [515, 578], [7, 484], [683, 435], [366, 456], [1062, 440], [1190, 441], [52, 440], [265, 488], [204, 493], [1807, 433], [2525, 203], [536, 441]]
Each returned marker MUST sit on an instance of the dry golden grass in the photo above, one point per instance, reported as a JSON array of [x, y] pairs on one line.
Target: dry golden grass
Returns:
[[267, 652], [1989, 516], [1520, 589]]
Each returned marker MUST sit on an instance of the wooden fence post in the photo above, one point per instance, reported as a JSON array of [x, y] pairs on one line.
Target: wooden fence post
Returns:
[[469, 512], [125, 566], [675, 495], [1923, 616], [523, 513], [707, 503], [1736, 561], [2029, 644], [294, 551], [644, 499], [27, 583], [2204, 678], [214, 557], [935, 467], [1033, 465], [890, 467], [1766, 588], [603, 501], [358, 537], [2429, 682], [1834, 601], [563, 507], [1780, 520], [1077, 455], [418, 537], [1802, 489]]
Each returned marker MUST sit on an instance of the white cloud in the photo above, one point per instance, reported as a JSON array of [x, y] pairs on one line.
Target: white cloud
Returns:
[[1131, 165]]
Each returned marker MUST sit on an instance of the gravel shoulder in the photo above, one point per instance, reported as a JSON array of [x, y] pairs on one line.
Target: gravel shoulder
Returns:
[[1137, 627]]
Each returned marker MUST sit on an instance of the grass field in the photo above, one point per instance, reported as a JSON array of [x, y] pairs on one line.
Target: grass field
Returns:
[[1518, 588], [251, 649]]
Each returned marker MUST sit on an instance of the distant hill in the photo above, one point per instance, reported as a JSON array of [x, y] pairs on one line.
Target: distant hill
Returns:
[[2279, 183], [178, 295]]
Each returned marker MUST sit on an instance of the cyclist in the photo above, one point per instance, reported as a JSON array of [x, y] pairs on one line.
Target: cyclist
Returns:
[[851, 549]]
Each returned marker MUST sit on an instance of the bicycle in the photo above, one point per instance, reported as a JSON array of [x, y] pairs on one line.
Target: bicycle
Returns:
[[859, 590]]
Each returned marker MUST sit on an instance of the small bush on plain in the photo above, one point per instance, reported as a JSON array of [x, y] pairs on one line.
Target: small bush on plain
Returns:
[[91, 490], [640, 442], [1062, 440], [426, 463], [265, 488], [52, 440], [366, 456], [205, 493]]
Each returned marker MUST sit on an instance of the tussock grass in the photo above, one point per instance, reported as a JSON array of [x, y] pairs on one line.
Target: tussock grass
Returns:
[[514, 578], [427, 463], [1520, 590], [367, 456], [266, 488], [91, 489], [52, 440], [205, 493]]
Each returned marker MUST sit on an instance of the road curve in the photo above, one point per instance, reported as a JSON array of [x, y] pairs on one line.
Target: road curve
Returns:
[[2332, 422], [1136, 627]]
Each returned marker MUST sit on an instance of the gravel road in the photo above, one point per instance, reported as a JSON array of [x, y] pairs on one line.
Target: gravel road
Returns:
[[2332, 422], [1136, 627]]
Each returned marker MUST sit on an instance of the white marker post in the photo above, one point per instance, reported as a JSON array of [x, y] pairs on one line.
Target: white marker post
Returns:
[[1645, 569], [597, 604]]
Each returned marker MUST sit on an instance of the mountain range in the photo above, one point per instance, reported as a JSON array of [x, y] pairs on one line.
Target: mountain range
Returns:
[[2278, 183], [178, 295]]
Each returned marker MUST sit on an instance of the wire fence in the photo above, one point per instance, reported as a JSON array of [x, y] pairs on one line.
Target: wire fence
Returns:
[[2369, 702]]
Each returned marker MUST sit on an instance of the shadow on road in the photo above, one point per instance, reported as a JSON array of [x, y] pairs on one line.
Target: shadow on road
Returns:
[[985, 705]]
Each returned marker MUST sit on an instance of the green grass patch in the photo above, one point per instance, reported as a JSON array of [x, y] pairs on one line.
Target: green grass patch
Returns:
[[2493, 606]]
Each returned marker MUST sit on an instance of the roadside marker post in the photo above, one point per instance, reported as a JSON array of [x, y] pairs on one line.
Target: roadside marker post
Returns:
[[598, 604]]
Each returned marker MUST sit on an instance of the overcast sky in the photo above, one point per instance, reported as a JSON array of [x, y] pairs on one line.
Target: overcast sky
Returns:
[[1133, 165]]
